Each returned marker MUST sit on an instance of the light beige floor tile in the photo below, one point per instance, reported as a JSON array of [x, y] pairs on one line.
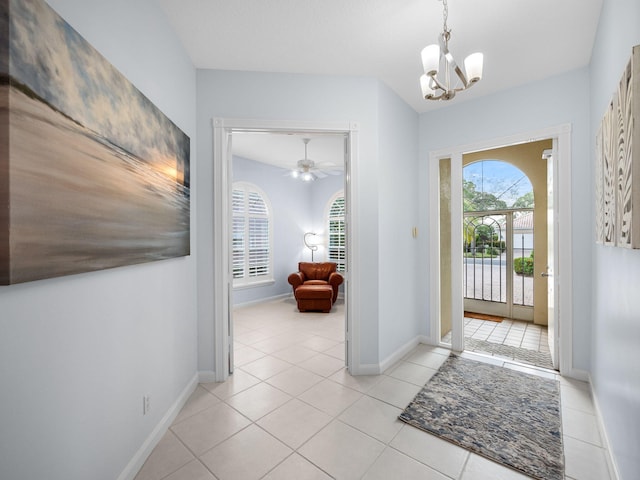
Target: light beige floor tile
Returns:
[[581, 426], [396, 392], [427, 358], [192, 471], [294, 380], [342, 451], [168, 456], [336, 351], [395, 465], [251, 337], [248, 455], [295, 354], [272, 344], [479, 468], [266, 367], [330, 397], [200, 400], [206, 429], [412, 373], [428, 449], [577, 399], [323, 365], [246, 354], [236, 383], [296, 467], [258, 400], [373, 417], [294, 423], [584, 461], [319, 344], [362, 383]]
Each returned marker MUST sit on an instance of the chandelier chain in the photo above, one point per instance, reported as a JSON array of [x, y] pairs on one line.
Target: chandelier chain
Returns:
[[445, 16]]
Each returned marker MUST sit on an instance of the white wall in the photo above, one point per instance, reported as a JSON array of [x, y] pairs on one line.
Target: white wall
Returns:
[[305, 98], [615, 361], [556, 101], [78, 353]]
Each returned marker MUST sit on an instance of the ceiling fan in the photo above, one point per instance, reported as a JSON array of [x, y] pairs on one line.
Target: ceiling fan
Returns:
[[307, 170]]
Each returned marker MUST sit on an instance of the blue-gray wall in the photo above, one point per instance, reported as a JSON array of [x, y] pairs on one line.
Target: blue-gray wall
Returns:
[[297, 207], [78, 353], [334, 99], [615, 359]]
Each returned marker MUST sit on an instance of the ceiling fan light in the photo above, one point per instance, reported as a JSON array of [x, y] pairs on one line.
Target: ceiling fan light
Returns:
[[431, 59], [307, 177], [425, 84], [294, 173], [473, 67]]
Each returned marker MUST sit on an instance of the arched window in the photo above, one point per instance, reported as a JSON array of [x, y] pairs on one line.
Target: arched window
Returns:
[[252, 242], [495, 185], [336, 242]]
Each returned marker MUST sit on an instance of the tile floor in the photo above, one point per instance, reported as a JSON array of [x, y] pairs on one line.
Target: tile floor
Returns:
[[516, 340], [291, 411]]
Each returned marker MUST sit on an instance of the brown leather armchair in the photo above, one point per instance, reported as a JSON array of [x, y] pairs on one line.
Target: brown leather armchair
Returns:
[[317, 273]]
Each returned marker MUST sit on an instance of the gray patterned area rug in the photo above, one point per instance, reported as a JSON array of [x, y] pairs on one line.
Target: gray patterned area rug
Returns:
[[509, 417]]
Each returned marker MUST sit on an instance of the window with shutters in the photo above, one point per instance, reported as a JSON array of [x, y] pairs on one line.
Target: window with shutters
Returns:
[[336, 243], [252, 243]]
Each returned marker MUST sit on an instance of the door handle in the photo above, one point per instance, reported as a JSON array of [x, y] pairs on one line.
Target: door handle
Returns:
[[545, 274]]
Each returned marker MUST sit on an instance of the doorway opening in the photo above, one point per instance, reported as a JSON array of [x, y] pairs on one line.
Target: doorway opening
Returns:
[[294, 212], [225, 131], [481, 267]]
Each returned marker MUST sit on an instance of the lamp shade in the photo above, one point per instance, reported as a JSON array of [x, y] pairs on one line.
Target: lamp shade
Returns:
[[431, 59], [473, 67], [425, 84]]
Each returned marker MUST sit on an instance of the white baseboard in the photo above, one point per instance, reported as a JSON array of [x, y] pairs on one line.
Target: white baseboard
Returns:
[[135, 464], [262, 300], [399, 353], [206, 376], [378, 368], [366, 369], [611, 464], [577, 374]]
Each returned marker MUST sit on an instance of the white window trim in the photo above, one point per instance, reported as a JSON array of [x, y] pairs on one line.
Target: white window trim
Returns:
[[327, 211], [260, 280]]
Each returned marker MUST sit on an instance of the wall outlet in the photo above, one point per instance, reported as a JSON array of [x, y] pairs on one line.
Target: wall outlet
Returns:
[[146, 404]]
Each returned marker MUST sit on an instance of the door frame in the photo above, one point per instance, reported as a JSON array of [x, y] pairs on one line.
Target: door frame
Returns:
[[561, 136], [223, 129]]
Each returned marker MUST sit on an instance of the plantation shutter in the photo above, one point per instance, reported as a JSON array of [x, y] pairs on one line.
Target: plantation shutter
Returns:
[[238, 234], [251, 242], [337, 236], [258, 217]]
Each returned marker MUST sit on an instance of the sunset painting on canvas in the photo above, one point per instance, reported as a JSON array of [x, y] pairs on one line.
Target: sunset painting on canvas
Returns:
[[92, 174]]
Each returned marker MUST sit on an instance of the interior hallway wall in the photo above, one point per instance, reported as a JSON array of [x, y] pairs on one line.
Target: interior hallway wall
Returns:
[[311, 98], [616, 274], [78, 353]]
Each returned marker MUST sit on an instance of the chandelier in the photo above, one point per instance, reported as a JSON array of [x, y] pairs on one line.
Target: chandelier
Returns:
[[438, 81]]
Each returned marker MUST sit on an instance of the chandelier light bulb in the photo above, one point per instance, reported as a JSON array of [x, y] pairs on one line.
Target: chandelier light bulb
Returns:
[[431, 59], [473, 67]]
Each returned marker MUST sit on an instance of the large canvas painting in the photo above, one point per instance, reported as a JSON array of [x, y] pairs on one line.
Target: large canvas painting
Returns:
[[618, 163], [92, 174]]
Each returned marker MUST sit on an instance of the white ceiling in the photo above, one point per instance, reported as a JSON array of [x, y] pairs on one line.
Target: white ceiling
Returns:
[[522, 41], [285, 149]]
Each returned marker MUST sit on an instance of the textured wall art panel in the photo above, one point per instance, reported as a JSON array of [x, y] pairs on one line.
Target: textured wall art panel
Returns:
[[618, 163], [92, 174]]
